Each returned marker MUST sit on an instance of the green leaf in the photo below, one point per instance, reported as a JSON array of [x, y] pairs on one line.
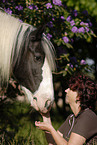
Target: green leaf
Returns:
[[68, 45]]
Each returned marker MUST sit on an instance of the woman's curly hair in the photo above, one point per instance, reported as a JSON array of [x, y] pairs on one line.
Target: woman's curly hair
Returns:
[[86, 88]]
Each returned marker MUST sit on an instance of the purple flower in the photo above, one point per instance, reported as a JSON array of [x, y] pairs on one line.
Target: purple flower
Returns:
[[73, 59], [19, 8], [82, 62], [21, 21], [90, 24], [53, 19], [86, 24], [33, 7], [74, 29], [48, 5], [68, 19], [65, 39], [57, 2], [87, 29], [71, 65], [72, 22], [75, 13], [82, 23], [72, 40], [3, 1], [66, 69], [85, 12], [81, 30], [8, 10], [62, 17], [49, 36], [30, 7], [50, 24]]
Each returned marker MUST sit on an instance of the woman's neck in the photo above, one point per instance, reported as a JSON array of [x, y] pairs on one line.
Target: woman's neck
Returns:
[[75, 107]]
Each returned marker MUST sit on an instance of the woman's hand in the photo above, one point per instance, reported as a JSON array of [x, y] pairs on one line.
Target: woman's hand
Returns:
[[43, 126], [46, 116], [58, 139]]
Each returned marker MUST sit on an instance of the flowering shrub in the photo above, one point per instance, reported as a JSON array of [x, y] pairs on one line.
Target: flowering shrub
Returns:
[[64, 27], [90, 6]]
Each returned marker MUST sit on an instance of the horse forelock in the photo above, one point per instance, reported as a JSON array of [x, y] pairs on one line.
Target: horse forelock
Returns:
[[12, 37], [49, 52], [12, 33], [48, 47], [22, 39]]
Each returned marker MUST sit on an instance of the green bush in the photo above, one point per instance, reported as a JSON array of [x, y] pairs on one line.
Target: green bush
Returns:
[[17, 124], [65, 26]]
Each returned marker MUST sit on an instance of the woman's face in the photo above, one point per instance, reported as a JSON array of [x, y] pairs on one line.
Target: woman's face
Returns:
[[71, 96]]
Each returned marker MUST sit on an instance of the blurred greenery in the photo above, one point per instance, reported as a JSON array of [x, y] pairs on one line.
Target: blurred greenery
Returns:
[[17, 124], [17, 118], [81, 5]]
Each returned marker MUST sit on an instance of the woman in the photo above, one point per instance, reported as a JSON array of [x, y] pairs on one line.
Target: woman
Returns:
[[81, 126]]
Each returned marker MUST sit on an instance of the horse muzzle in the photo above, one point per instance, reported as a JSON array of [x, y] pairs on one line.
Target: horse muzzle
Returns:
[[42, 105]]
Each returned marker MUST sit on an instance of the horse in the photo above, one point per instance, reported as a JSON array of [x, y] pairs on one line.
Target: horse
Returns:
[[29, 57]]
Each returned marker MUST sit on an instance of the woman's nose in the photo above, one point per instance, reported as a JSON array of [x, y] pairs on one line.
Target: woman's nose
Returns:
[[66, 90]]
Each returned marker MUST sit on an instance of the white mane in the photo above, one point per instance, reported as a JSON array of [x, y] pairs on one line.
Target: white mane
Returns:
[[49, 51], [9, 27], [11, 37], [11, 31]]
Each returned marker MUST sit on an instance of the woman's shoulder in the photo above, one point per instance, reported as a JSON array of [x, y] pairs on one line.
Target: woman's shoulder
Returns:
[[88, 114], [86, 124], [87, 119]]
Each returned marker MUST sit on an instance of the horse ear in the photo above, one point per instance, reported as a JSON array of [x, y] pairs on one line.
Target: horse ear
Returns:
[[36, 35]]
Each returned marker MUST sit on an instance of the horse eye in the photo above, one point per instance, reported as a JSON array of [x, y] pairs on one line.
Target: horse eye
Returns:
[[38, 58]]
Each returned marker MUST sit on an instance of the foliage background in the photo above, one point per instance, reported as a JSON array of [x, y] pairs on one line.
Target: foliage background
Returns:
[[72, 28]]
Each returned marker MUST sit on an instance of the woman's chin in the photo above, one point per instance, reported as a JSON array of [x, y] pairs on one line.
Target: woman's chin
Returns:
[[66, 101]]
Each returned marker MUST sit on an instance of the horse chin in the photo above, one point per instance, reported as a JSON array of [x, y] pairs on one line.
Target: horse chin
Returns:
[[42, 110], [41, 104]]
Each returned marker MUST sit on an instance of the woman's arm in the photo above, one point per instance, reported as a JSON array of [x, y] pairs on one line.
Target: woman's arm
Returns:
[[75, 139], [49, 138], [55, 137], [52, 135]]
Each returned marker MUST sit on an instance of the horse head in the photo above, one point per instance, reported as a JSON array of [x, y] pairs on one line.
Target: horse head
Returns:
[[33, 71], [28, 56]]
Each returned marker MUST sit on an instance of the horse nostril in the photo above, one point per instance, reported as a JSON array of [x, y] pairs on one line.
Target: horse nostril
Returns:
[[47, 104], [35, 98]]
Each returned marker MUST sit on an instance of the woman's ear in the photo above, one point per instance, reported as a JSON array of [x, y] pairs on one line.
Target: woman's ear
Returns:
[[77, 99]]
